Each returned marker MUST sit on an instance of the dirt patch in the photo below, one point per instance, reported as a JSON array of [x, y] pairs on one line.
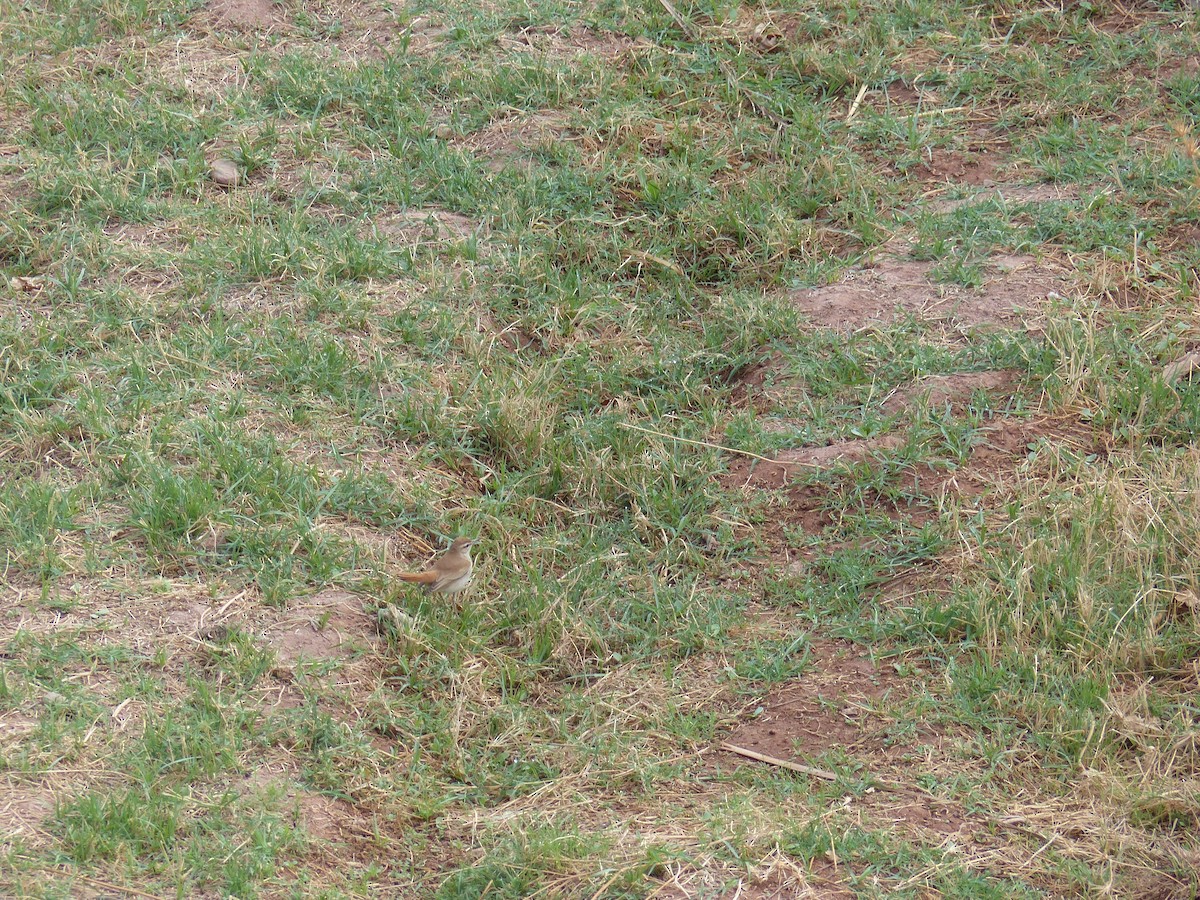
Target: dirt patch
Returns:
[[325, 818], [261, 299], [763, 384], [513, 137], [893, 287], [513, 337], [835, 707], [1124, 18], [900, 94], [372, 32], [1154, 886], [424, 227], [567, 43], [243, 15], [331, 625], [23, 810], [903, 811], [955, 391], [919, 490], [201, 70], [1004, 447], [953, 167], [749, 379], [783, 880], [1179, 236], [790, 464], [808, 507], [825, 883], [144, 239], [187, 616], [14, 727], [400, 464], [1011, 193], [829, 708], [281, 697]]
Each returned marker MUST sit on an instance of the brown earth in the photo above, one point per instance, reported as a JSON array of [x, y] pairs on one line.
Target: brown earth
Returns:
[[830, 708], [331, 625], [428, 226], [1000, 449], [243, 15], [24, 807], [1016, 194], [891, 288], [507, 140], [953, 167], [837, 707], [787, 465], [560, 42], [955, 391]]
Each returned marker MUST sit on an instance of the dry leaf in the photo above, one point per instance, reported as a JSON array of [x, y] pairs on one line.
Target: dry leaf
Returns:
[[1182, 367], [26, 283], [766, 37], [1186, 601]]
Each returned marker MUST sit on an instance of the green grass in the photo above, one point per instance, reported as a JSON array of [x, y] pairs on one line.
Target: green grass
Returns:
[[503, 270]]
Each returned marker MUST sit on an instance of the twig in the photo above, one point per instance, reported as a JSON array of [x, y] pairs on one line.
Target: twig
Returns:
[[862, 92], [712, 446], [823, 774], [690, 30], [650, 257], [117, 887], [931, 112]]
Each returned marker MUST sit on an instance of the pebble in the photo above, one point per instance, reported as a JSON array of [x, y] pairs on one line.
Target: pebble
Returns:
[[225, 173]]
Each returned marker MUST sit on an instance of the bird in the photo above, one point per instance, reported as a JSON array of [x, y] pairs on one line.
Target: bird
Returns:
[[449, 573]]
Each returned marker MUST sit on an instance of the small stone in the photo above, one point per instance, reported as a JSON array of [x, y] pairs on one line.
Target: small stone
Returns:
[[445, 132], [225, 173]]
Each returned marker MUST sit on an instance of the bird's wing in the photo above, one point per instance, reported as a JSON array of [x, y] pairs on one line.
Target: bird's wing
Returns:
[[429, 576], [446, 577]]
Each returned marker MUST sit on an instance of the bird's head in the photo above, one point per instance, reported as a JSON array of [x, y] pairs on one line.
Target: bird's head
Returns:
[[462, 544]]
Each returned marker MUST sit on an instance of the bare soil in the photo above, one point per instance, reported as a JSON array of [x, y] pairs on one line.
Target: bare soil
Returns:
[[838, 708], [789, 464], [327, 626], [1010, 193], [426, 226], [243, 15], [993, 461], [829, 708], [23, 809], [557, 41], [953, 167], [954, 391], [507, 140], [891, 288]]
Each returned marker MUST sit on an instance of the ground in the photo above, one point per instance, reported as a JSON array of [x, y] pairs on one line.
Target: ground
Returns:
[[816, 377]]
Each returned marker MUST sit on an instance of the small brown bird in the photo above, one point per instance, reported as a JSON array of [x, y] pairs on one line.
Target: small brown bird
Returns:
[[450, 573]]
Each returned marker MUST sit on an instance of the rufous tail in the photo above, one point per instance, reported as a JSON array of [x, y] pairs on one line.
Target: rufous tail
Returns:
[[418, 577]]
